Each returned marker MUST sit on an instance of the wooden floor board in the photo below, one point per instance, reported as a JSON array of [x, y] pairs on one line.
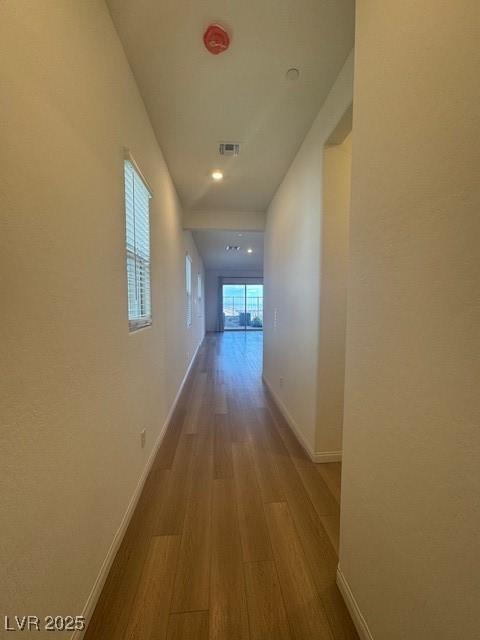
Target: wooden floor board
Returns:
[[266, 610], [235, 534], [322, 499], [238, 417], [192, 414], [192, 582], [111, 615], [228, 609], [166, 453], [253, 528], [267, 476], [151, 607], [222, 450], [173, 499], [220, 397], [331, 473], [319, 551], [311, 532], [304, 607], [331, 524], [192, 625]]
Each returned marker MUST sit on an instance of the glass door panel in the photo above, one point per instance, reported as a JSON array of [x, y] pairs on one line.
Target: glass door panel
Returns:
[[254, 306], [234, 317], [242, 307]]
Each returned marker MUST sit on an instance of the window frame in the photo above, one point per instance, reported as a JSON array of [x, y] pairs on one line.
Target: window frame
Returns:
[[199, 294], [188, 290], [143, 264]]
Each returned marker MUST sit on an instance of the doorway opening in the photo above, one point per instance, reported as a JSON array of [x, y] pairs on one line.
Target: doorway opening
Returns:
[[242, 307]]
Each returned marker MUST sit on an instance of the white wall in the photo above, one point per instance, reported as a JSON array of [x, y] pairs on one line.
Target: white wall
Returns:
[[231, 220], [211, 292], [411, 482], [76, 387], [333, 295], [293, 258]]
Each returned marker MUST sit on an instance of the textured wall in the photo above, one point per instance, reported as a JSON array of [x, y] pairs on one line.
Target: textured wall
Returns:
[[333, 295], [76, 387], [293, 240], [411, 481]]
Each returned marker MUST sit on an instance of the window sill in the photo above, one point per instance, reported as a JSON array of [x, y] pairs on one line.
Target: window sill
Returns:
[[136, 325]]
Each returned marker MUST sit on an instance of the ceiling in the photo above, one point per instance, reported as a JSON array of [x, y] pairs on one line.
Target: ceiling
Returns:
[[195, 99], [211, 244]]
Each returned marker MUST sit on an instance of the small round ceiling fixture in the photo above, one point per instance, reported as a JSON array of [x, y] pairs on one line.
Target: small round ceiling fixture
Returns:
[[293, 74], [249, 250], [217, 175], [216, 39]]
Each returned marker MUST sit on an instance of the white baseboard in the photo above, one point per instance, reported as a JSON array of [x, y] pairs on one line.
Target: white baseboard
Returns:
[[357, 617], [118, 537], [326, 456], [315, 456]]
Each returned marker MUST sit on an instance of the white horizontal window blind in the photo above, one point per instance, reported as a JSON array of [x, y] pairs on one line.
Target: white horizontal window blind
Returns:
[[199, 294], [188, 288], [137, 214]]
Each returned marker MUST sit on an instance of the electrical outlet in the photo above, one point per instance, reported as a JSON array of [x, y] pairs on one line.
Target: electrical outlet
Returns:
[[281, 381], [275, 318], [143, 437]]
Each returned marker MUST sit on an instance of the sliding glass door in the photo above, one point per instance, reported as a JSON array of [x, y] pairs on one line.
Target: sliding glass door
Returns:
[[254, 304], [233, 307], [242, 307]]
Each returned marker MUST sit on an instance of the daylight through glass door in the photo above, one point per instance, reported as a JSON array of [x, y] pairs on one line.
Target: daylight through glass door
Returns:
[[242, 307]]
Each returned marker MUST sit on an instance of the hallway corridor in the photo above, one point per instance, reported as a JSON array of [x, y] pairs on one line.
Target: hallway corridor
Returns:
[[236, 531]]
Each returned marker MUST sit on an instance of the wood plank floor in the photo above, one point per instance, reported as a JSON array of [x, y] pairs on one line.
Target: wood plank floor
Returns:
[[235, 536]]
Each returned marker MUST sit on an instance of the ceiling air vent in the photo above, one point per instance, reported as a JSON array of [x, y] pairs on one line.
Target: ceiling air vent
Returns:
[[229, 148]]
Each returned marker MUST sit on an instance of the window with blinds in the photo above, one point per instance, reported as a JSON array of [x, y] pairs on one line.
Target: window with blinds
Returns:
[[188, 288], [199, 295], [137, 215]]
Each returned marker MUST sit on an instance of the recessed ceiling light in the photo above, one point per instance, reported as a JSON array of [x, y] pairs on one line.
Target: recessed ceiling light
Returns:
[[240, 235], [249, 250], [217, 175]]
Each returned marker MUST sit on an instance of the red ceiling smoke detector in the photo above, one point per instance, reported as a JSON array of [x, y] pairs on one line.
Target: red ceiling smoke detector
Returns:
[[216, 39]]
